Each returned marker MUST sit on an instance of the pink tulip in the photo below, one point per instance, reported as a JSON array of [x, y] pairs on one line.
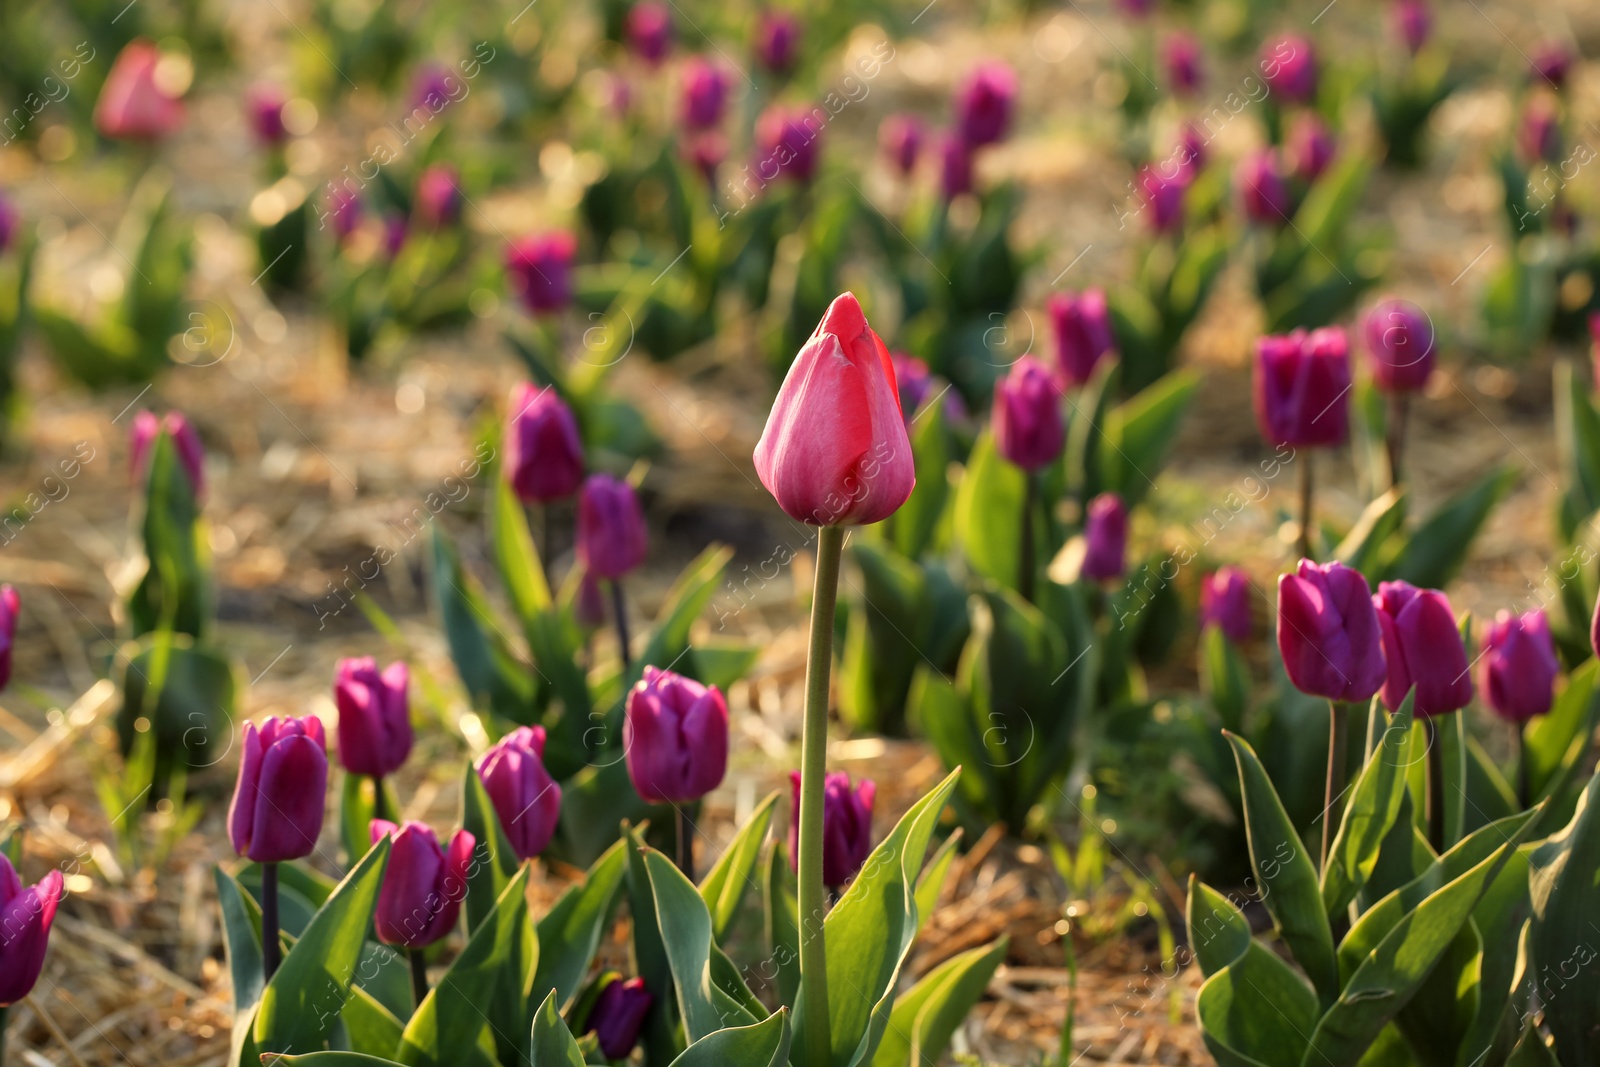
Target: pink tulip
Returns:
[[191, 454], [1105, 535], [10, 608], [846, 825], [374, 716], [1520, 668], [612, 536], [1082, 324], [1028, 428], [544, 454], [539, 270], [1328, 632], [26, 914], [525, 797], [900, 137], [1423, 649], [1225, 602], [278, 802], [984, 103], [675, 735], [423, 884], [133, 106]]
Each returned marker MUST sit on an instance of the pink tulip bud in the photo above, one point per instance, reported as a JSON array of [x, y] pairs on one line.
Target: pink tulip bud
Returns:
[[278, 802], [1302, 388], [984, 104], [1105, 535], [675, 735], [777, 43], [1262, 191], [374, 716], [835, 450], [438, 200], [846, 825], [1181, 54], [1551, 62], [345, 212], [1164, 196], [786, 144], [612, 536], [26, 914], [544, 454], [900, 138], [191, 453], [10, 608], [434, 86], [649, 31], [1311, 146], [705, 93], [263, 106], [539, 270], [1328, 632], [423, 885], [525, 797], [705, 151], [395, 232], [1028, 428], [1225, 603], [1289, 65], [1520, 668], [1192, 151], [618, 1014], [1422, 648], [955, 168], [1399, 335], [133, 106], [1413, 22], [1082, 325]]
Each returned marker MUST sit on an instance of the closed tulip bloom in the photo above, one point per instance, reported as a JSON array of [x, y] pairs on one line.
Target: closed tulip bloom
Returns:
[[1539, 134], [1028, 428], [649, 31], [438, 200], [1180, 53], [589, 607], [539, 270], [374, 716], [618, 1014], [1082, 324], [846, 825], [1311, 146], [955, 168], [1519, 666], [10, 608], [263, 107], [1191, 154], [675, 734], [423, 884], [1399, 335], [1225, 602], [984, 103], [777, 43], [191, 453], [133, 104], [1289, 65], [525, 797], [26, 913], [705, 93], [1413, 22], [278, 802], [1164, 197], [787, 141], [1262, 190], [900, 137], [1302, 388], [1551, 62], [9, 219], [1422, 647], [544, 454], [914, 379], [434, 86], [835, 450], [612, 536], [1328, 633], [345, 212], [1105, 535]]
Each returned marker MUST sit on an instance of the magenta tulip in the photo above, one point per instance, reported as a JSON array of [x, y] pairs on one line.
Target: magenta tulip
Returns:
[[955, 167], [1328, 632], [618, 1014], [1028, 428], [1164, 197], [612, 536], [1422, 648], [438, 200], [649, 31], [675, 735], [1105, 535], [10, 609], [589, 607], [544, 455], [777, 41], [434, 86], [1539, 132], [191, 453], [1082, 324], [1311, 146], [900, 137], [787, 141], [1225, 603], [263, 107], [1302, 388], [1180, 54], [283, 778], [705, 93], [133, 104], [1399, 335], [423, 884], [1413, 22], [26, 913], [1519, 666], [525, 797], [10, 219], [1551, 61], [1259, 183], [539, 270], [1289, 65], [846, 825], [374, 716], [984, 103]]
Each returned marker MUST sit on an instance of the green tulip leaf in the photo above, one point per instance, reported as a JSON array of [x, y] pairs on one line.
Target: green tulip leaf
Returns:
[[1435, 551], [987, 505], [570, 932], [516, 558], [494, 677], [725, 884], [762, 1044], [685, 926], [1140, 431], [1363, 548], [927, 1014], [1372, 807], [495, 863], [1256, 1010], [372, 1028], [781, 924], [1564, 885], [552, 1043], [241, 934], [1218, 931], [931, 884]]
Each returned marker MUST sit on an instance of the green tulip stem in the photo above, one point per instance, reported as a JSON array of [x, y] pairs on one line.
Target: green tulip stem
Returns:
[[813, 766], [1336, 775], [380, 805], [271, 950], [620, 610], [547, 520], [419, 976], [1025, 562], [1395, 437], [1434, 806], [1306, 484], [685, 843], [1523, 800]]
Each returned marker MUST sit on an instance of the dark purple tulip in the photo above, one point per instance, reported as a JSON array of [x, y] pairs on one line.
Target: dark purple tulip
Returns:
[[1302, 388], [1539, 134], [1328, 632], [191, 454], [612, 536], [9, 218], [438, 200], [1422, 648], [1311, 146], [544, 455], [955, 167], [1262, 190], [777, 42], [1399, 335], [395, 232], [374, 715], [846, 825], [649, 30], [786, 143], [283, 778], [1413, 22], [900, 137], [915, 382], [617, 1016], [1289, 65], [1164, 196], [1105, 535], [1551, 62], [25, 917], [1520, 668], [675, 735], [10, 608], [344, 212], [525, 797], [1028, 429], [1181, 53], [423, 885], [1225, 602], [1191, 153], [705, 93], [539, 270], [433, 87], [263, 106], [984, 103], [1082, 324]]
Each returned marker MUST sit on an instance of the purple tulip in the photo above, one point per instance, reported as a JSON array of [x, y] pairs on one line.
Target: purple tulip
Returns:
[[374, 716], [1413, 22], [1225, 603], [423, 885], [705, 93], [1289, 65], [777, 41], [345, 211], [191, 454], [278, 802], [539, 270], [1192, 152], [589, 607], [786, 144], [438, 200], [1519, 669], [263, 106], [675, 735], [900, 137], [395, 232], [1082, 325], [1028, 429], [984, 103], [846, 825], [1551, 62], [1328, 632], [617, 1016], [1259, 182], [1399, 335], [1164, 195], [1181, 53], [1539, 134], [1302, 388], [9, 218], [649, 31], [1105, 535], [914, 380], [433, 87], [1311, 146], [612, 536], [955, 168], [525, 797], [544, 454], [25, 917], [1422, 647], [10, 608]]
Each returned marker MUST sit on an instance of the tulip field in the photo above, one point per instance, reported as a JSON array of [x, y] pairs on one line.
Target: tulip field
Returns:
[[895, 534]]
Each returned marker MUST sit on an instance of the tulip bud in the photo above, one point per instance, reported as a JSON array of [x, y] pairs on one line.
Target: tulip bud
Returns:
[[133, 104], [344, 211], [955, 168], [1164, 195], [438, 201], [395, 233], [1192, 151], [846, 825], [1414, 23], [1539, 135], [1181, 55], [649, 31], [612, 536], [1519, 665], [777, 43], [9, 218], [525, 797], [589, 607], [374, 716], [423, 886], [191, 454], [786, 143], [1328, 633], [1028, 429], [1105, 535], [278, 802], [1302, 388], [617, 1016], [1311, 146], [675, 736], [25, 918], [433, 87], [984, 102], [1399, 335], [539, 270], [1225, 603], [1422, 648], [10, 608], [835, 450], [705, 93], [1290, 67], [263, 106], [1083, 333], [1551, 62], [900, 138], [544, 455], [1262, 190]]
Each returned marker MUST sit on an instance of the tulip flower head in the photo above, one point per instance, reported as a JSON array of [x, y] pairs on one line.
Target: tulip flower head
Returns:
[[10, 608], [434, 86], [1028, 428], [914, 380], [1328, 632], [1180, 54], [263, 106], [344, 212], [1539, 133], [900, 137], [1311, 146], [786, 144], [544, 455], [374, 716], [955, 168], [1550, 63], [1258, 181], [278, 802], [984, 103], [1225, 603], [777, 41], [1399, 336], [705, 151], [846, 825], [1422, 648], [1289, 65], [1519, 667], [423, 883], [675, 735], [191, 454], [1082, 324], [1163, 195], [525, 797], [9, 218], [1105, 535], [705, 93], [539, 270], [612, 536], [26, 914], [438, 199], [835, 450], [1302, 388], [1413, 22], [618, 1015], [1192, 151], [135, 102], [649, 31]]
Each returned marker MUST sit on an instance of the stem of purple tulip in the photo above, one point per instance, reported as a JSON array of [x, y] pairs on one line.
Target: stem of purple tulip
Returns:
[[1336, 775], [1305, 504], [1522, 770], [813, 767], [685, 844], [620, 610], [380, 805], [1433, 807], [419, 976], [1025, 562], [1395, 438], [271, 951]]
